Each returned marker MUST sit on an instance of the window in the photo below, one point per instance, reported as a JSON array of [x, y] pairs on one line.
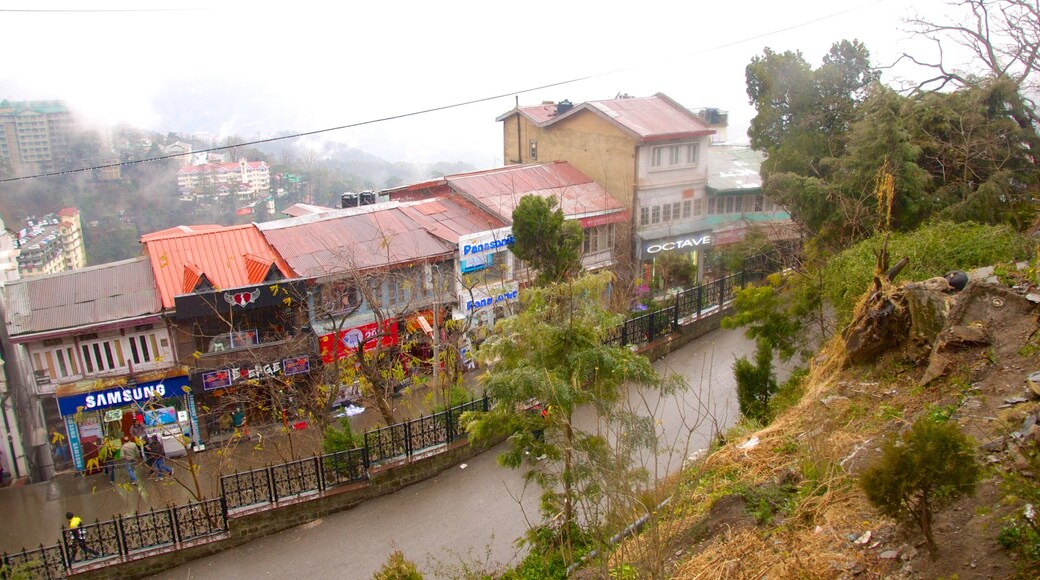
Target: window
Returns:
[[675, 211], [102, 355], [686, 208], [759, 202], [644, 216], [729, 204], [598, 239], [666, 212], [675, 156], [712, 206], [143, 348], [534, 150], [57, 363], [655, 214], [692, 153]]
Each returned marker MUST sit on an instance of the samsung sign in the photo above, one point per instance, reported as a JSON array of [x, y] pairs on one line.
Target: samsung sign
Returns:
[[122, 396], [679, 245]]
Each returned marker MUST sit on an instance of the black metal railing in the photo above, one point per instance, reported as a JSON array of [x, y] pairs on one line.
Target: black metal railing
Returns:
[[247, 488], [122, 538], [344, 467], [296, 478], [46, 562]]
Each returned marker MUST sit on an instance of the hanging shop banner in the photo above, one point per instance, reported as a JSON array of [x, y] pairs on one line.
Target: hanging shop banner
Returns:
[[650, 249], [476, 251], [73, 432], [344, 343], [121, 396], [228, 302], [224, 378], [296, 366]]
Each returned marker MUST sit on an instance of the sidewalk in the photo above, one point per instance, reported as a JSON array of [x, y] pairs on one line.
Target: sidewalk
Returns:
[[34, 514]]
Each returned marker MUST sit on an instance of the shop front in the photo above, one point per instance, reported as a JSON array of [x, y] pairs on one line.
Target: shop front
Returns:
[[256, 393], [687, 249], [157, 403]]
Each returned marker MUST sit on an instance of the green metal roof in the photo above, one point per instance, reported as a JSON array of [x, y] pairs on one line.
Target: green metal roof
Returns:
[[734, 169]]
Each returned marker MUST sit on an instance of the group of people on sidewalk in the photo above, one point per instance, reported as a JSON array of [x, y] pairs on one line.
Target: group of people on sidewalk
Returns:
[[136, 449]]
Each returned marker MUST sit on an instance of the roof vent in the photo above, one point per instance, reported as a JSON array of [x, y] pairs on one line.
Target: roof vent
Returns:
[[564, 106], [368, 197], [348, 199]]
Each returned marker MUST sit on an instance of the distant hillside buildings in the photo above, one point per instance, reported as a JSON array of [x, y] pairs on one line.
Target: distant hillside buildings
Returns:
[[51, 244], [34, 136], [245, 179]]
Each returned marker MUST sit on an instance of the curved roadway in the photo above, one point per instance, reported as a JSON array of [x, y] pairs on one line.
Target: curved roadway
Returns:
[[475, 511]]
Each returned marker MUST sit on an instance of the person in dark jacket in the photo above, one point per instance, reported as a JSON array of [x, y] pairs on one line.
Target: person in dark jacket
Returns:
[[155, 457], [77, 537]]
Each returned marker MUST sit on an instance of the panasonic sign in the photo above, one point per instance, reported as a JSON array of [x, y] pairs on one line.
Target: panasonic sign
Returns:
[[679, 245]]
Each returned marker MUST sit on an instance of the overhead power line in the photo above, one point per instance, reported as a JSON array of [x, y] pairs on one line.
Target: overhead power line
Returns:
[[420, 112]]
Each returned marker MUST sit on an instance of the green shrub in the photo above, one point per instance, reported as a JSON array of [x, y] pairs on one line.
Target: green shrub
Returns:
[[397, 567], [756, 383], [341, 438], [929, 465]]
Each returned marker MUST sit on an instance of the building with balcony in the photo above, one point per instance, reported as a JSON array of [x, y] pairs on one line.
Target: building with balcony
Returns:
[[245, 180], [651, 154], [34, 136], [101, 359]]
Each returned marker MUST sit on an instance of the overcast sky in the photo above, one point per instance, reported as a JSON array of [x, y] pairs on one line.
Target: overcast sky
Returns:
[[303, 65]]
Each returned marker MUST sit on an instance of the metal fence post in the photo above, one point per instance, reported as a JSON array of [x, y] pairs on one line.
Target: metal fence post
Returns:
[[624, 333], [176, 525], [700, 299], [449, 426], [407, 438], [675, 318], [120, 534], [271, 492], [722, 291], [318, 463]]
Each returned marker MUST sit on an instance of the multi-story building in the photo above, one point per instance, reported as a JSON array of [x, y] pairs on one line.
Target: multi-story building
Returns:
[[245, 179], [100, 357], [34, 136], [238, 318], [9, 252], [650, 153], [51, 244]]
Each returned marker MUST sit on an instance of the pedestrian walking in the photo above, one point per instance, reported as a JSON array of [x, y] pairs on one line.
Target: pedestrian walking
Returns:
[[155, 457], [77, 537], [106, 455], [130, 454], [58, 449]]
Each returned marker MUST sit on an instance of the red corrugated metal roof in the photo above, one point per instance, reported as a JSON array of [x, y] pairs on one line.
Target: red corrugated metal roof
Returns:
[[217, 252], [646, 118], [500, 189], [374, 236], [104, 293]]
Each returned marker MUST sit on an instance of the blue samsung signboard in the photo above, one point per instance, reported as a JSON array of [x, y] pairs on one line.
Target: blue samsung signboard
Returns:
[[121, 396]]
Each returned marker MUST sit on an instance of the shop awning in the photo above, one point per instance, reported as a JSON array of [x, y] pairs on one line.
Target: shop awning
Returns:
[[603, 219]]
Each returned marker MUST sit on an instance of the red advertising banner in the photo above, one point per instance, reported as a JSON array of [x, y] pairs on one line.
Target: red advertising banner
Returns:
[[345, 342]]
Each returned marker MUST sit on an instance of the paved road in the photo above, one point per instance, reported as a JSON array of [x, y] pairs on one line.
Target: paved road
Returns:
[[475, 512]]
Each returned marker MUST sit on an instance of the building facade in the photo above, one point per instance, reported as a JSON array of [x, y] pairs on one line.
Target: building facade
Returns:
[[101, 358], [34, 136], [51, 244], [651, 154], [244, 179]]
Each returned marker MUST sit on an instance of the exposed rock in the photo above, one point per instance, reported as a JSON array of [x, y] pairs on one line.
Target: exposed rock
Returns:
[[961, 337], [995, 445], [889, 555], [828, 401]]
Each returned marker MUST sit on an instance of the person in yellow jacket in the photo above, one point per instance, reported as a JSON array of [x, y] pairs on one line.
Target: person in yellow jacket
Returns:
[[77, 537]]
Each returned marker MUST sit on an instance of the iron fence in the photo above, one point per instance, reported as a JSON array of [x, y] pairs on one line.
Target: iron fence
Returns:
[[46, 562], [247, 488], [154, 529], [200, 519], [387, 443], [296, 477], [344, 467], [90, 542]]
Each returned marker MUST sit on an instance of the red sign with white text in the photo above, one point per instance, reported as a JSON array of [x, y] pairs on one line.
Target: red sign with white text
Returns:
[[345, 342]]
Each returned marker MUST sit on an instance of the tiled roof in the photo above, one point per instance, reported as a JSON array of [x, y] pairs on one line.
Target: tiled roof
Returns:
[[374, 236], [229, 257], [104, 293], [645, 118], [500, 190]]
